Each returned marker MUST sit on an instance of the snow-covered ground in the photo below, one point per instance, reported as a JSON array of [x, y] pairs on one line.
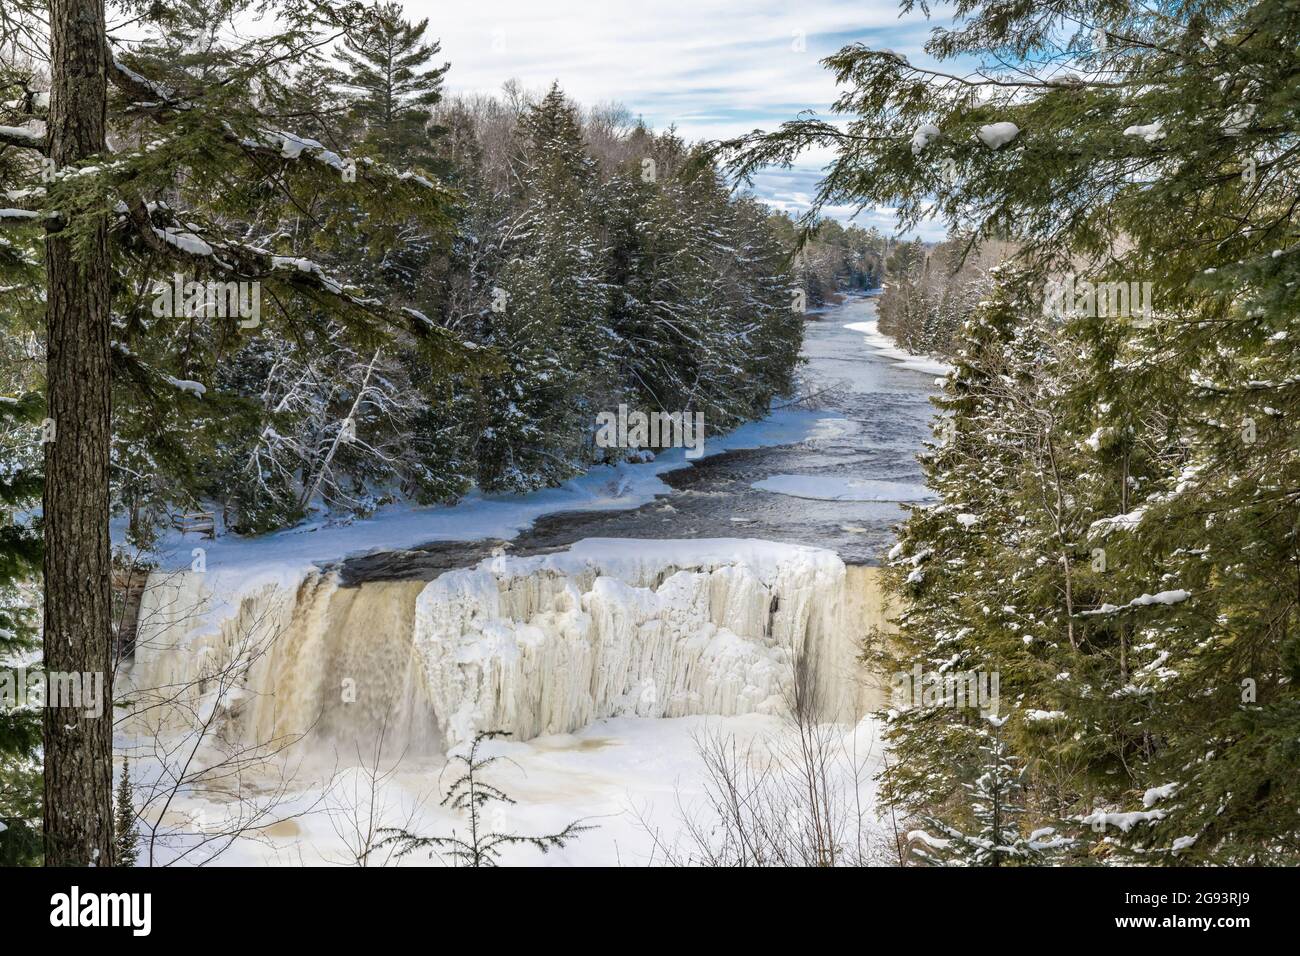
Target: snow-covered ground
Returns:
[[604, 660], [634, 780], [886, 347]]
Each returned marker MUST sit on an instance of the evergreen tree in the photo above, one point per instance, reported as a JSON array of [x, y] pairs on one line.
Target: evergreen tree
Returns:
[[22, 410], [548, 317], [994, 797], [127, 841], [385, 65], [471, 794], [205, 182], [20, 558]]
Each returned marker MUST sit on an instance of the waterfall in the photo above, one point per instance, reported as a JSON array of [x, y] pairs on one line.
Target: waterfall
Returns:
[[533, 645]]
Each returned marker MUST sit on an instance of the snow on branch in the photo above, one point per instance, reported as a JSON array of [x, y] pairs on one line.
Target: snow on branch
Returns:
[[1124, 522], [146, 92], [284, 145], [190, 387], [1146, 600], [24, 138], [277, 144], [159, 230]]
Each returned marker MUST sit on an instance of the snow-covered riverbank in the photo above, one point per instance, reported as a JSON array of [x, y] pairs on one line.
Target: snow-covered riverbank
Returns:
[[883, 345], [286, 555]]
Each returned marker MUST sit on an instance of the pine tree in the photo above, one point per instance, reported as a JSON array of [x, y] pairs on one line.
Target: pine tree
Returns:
[[392, 88], [126, 840], [548, 318], [471, 794], [995, 797], [76, 572], [20, 559], [22, 410], [204, 184]]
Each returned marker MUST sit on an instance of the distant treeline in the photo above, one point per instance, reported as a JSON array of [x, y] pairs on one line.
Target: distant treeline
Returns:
[[835, 258], [932, 288]]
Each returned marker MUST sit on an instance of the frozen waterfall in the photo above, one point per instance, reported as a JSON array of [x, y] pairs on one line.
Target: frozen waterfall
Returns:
[[533, 645]]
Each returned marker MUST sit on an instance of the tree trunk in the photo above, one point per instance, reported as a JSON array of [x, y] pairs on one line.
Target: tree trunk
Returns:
[[78, 590]]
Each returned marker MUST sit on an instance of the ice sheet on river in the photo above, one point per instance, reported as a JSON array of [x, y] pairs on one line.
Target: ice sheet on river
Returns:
[[835, 488]]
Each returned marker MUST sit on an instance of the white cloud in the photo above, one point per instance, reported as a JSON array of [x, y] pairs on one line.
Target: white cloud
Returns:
[[712, 69]]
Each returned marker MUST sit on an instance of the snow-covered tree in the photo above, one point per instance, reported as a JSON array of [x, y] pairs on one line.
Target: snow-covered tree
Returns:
[[995, 835]]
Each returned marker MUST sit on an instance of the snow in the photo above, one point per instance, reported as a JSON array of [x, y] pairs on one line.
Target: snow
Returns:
[[1125, 821], [1146, 600], [20, 132], [10, 213], [1036, 716], [925, 134], [833, 488], [408, 176], [188, 385], [1150, 133], [424, 320], [1182, 843], [292, 147], [885, 346], [934, 843], [1239, 120], [1163, 597], [996, 135], [1156, 794], [184, 241], [1124, 522], [309, 267], [633, 779], [967, 521]]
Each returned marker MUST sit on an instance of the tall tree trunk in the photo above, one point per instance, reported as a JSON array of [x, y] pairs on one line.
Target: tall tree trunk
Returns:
[[78, 591]]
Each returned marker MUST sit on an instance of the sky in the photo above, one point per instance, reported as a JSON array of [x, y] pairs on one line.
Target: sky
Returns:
[[712, 68]]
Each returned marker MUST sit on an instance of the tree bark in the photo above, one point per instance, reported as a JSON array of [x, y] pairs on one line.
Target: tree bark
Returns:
[[78, 590]]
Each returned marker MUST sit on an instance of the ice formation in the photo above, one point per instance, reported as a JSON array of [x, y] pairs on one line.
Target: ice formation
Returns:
[[532, 645]]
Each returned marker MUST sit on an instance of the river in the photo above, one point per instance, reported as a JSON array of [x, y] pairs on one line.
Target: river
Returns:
[[874, 415]]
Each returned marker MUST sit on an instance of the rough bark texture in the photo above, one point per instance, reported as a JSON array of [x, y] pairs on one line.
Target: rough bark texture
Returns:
[[78, 595]]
